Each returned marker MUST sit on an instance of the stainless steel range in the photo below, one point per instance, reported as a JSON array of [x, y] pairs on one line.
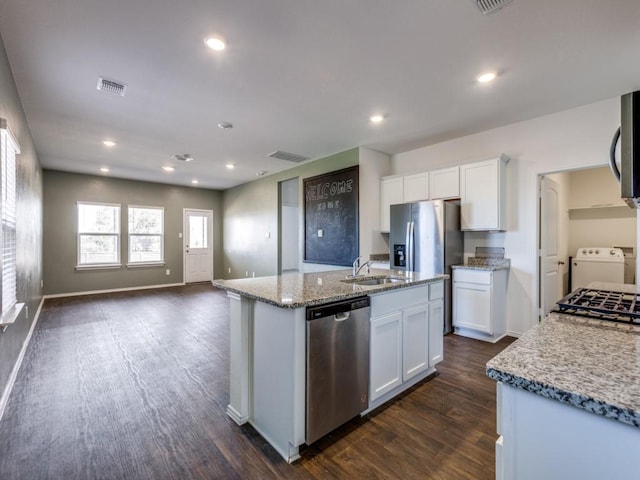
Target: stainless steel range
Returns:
[[608, 305]]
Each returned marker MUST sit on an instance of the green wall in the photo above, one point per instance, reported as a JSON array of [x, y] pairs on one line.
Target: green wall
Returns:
[[61, 192], [251, 217], [28, 226]]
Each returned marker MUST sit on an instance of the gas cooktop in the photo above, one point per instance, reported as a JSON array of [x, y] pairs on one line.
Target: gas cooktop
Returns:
[[602, 305]]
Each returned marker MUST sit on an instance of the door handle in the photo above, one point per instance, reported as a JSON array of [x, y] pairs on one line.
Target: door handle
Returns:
[[560, 262]]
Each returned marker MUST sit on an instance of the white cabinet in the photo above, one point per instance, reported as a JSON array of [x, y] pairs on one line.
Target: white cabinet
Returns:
[[406, 339], [436, 327], [541, 438], [385, 354], [415, 336], [434, 185], [444, 183], [483, 195], [479, 309], [391, 193], [415, 187], [399, 348]]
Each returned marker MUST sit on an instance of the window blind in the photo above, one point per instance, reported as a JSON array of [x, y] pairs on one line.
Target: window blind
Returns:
[[9, 150]]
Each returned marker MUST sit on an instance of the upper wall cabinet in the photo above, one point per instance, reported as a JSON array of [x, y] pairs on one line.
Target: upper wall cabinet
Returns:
[[444, 183], [416, 187], [391, 193], [434, 185], [483, 195]]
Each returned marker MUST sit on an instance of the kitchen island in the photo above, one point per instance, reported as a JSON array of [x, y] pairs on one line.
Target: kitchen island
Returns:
[[268, 343], [568, 401]]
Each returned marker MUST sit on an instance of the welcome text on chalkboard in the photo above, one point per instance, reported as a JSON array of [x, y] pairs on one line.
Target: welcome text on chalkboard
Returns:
[[331, 217]]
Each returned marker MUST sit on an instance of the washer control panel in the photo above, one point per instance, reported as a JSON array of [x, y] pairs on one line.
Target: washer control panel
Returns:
[[600, 253]]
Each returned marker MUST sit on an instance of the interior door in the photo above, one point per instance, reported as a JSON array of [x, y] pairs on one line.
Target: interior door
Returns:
[[550, 273], [198, 246]]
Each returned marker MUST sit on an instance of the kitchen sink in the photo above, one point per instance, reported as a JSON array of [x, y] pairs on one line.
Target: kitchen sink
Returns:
[[375, 280]]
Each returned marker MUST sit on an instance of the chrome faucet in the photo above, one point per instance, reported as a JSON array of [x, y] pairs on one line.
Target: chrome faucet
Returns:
[[357, 267]]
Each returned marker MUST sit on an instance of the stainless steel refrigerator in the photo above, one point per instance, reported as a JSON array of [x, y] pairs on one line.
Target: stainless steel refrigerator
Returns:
[[425, 237]]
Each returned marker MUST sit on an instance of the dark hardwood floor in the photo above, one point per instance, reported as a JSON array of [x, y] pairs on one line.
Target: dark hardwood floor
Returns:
[[135, 386]]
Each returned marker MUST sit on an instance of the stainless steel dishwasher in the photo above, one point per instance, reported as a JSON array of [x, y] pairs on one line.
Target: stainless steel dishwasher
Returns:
[[337, 364]]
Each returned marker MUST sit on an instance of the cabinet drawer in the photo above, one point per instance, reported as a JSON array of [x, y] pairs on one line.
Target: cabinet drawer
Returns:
[[481, 277], [436, 291]]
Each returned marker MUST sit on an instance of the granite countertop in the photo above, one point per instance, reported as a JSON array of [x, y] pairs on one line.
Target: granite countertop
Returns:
[[294, 290], [586, 363], [487, 264]]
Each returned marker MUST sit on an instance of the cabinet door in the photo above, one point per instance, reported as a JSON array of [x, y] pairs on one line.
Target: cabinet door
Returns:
[[391, 193], [415, 334], [472, 306], [416, 187], [386, 354], [444, 183], [482, 195], [436, 332], [479, 196]]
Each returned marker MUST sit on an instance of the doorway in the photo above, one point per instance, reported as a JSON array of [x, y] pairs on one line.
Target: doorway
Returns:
[[289, 226], [198, 245], [579, 208]]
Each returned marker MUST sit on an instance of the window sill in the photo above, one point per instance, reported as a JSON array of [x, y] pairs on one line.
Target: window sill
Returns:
[[10, 316], [145, 264], [98, 266]]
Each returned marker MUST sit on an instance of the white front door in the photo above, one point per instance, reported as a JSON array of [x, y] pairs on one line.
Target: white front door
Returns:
[[550, 275], [198, 245]]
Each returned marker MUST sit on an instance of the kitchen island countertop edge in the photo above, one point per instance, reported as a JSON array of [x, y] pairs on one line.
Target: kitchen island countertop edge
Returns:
[[586, 363], [296, 290]]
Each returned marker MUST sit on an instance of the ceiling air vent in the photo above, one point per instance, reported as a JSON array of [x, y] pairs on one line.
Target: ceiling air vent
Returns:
[[490, 6], [182, 157], [289, 157], [110, 86]]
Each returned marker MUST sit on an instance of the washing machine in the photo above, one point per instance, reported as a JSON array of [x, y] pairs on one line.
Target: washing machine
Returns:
[[597, 264]]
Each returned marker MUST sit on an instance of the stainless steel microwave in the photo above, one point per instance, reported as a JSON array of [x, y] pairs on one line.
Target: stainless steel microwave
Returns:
[[628, 171]]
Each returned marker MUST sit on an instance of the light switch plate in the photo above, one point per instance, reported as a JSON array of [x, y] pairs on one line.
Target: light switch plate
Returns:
[[320, 233]]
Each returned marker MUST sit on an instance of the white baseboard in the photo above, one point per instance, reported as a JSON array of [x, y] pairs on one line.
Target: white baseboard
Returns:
[[511, 333], [113, 290], [16, 367]]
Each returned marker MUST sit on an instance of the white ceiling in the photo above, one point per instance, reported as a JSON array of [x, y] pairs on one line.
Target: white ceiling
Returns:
[[301, 76]]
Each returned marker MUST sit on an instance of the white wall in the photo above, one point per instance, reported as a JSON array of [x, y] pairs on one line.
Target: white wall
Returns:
[[570, 139], [598, 227], [373, 165]]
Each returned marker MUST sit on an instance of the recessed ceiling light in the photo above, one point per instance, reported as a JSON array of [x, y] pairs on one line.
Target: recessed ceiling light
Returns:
[[230, 166], [486, 77], [168, 169], [225, 125], [194, 181], [104, 169], [215, 43], [261, 173], [109, 143], [376, 118]]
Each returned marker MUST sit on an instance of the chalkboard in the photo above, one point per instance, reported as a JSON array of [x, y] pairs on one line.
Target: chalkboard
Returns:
[[331, 217]]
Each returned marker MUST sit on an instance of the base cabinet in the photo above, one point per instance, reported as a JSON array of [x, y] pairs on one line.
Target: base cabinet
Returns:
[[541, 438], [436, 327], [406, 343], [386, 354], [479, 308]]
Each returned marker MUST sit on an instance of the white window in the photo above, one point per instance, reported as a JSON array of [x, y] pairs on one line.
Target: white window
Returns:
[[98, 234], [146, 235], [9, 149]]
